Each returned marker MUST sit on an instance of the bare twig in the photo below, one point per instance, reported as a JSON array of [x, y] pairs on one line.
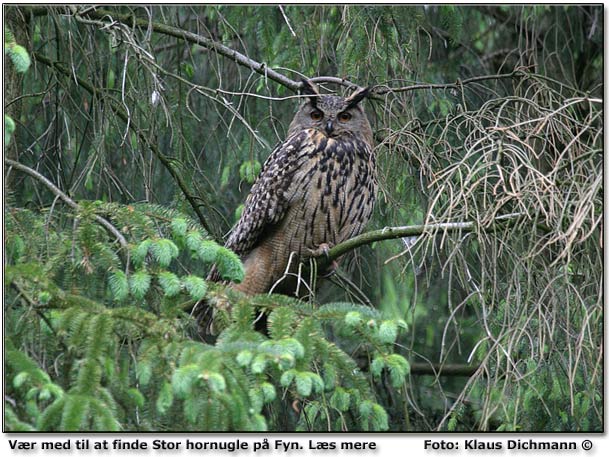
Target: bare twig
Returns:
[[166, 161], [383, 89], [71, 203], [287, 21], [448, 369]]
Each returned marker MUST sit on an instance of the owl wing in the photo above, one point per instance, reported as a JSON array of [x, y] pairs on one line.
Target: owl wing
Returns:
[[270, 196]]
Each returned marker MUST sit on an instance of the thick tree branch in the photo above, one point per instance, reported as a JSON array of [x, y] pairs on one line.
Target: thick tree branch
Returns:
[[232, 54], [71, 203], [111, 17]]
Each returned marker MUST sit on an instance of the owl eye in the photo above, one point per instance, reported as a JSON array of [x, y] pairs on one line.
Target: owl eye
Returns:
[[344, 117], [316, 115]]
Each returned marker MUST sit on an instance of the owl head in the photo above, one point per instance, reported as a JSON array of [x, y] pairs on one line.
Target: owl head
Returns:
[[334, 116]]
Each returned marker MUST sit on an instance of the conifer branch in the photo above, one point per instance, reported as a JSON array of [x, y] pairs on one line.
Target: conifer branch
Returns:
[[194, 38], [120, 112], [107, 18], [71, 203], [208, 43]]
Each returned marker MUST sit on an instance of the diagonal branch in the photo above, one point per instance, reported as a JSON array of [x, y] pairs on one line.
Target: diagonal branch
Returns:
[[120, 112], [261, 67], [232, 54], [438, 369], [109, 18], [71, 203]]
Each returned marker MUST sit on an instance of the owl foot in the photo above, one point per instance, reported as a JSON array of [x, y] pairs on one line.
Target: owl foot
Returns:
[[324, 249]]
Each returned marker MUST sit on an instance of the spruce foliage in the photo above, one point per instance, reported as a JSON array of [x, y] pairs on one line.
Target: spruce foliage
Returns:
[[133, 135], [125, 357]]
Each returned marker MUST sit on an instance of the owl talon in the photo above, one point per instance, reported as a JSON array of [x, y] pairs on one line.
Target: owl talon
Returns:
[[323, 248]]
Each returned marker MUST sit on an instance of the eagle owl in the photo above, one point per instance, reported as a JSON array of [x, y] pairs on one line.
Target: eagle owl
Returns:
[[316, 189]]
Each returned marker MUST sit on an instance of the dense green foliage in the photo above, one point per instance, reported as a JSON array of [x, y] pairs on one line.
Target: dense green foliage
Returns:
[[136, 134], [128, 353]]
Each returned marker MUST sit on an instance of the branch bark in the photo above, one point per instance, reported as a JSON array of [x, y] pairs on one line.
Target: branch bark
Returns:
[[71, 203], [458, 85], [388, 233], [259, 67]]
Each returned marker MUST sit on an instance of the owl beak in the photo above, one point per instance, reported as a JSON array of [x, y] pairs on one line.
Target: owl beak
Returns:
[[329, 128]]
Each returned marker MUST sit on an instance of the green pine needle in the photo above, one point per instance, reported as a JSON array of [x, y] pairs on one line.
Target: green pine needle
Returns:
[[193, 241], [207, 251], [164, 251], [170, 283], [9, 128], [179, 226], [75, 414], [304, 384], [140, 252], [196, 287], [249, 171], [139, 283], [165, 398], [229, 265], [376, 367], [388, 332], [19, 56], [119, 285]]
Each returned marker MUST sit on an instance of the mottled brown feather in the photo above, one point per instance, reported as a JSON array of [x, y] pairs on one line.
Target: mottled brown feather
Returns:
[[317, 187]]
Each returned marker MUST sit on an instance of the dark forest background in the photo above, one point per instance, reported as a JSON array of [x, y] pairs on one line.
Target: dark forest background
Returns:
[[133, 135]]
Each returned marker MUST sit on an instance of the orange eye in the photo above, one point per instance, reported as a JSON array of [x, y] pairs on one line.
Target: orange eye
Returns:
[[344, 117], [316, 115]]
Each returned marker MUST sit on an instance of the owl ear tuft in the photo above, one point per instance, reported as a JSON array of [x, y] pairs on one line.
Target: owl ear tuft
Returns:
[[357, 97], [311, 90]]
